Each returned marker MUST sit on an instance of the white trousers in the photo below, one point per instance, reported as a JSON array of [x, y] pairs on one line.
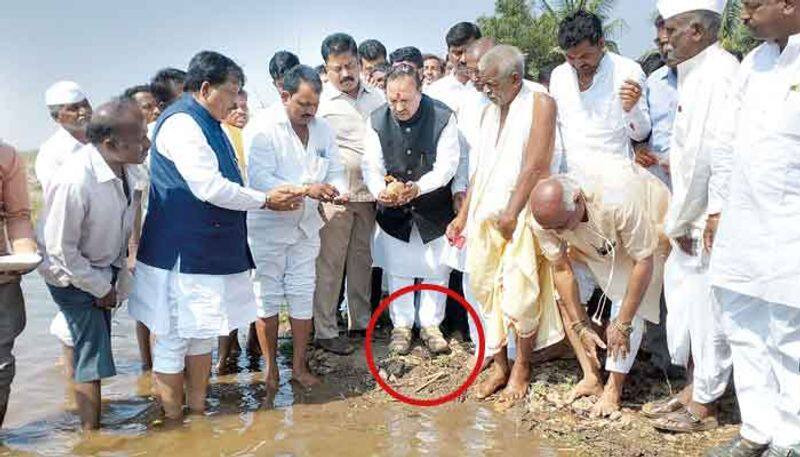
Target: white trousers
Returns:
[[286, 273], [170, 350], [473, 330], [765, 344], [431, 304], [624, 364], [694, 326]]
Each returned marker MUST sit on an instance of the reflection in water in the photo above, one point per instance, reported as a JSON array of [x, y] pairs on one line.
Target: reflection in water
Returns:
[[242, 418]]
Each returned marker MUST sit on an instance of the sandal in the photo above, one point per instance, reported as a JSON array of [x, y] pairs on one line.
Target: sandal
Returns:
[[685, 421], [661, 408]]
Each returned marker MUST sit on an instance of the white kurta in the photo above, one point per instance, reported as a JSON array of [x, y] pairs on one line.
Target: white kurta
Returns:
[[450, 91], [701, 134], [53, 153], [414, 259], [592, 124], [209, 305], [757, 248], [755, 264], [285, 265], [276, 156]]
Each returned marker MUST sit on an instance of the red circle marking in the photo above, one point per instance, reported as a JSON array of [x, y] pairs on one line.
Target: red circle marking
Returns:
[[481, 345]]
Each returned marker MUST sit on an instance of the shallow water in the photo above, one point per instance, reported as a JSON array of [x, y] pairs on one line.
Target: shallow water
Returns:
[[241, 420]]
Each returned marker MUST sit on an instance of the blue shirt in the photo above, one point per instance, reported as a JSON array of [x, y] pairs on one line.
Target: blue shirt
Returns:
[[662, 98]]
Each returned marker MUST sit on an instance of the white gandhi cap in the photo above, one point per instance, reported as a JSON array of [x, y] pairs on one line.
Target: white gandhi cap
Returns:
[[672, 8], [64, 93]]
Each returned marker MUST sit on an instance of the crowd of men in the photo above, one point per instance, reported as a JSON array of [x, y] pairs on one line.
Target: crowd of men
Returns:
[[675, 194]]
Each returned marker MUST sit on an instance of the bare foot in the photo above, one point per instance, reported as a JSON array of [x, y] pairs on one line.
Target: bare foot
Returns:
[[496, 380], [305, 378], [518, 383], [272, 378], [585, 388], [607, 404]]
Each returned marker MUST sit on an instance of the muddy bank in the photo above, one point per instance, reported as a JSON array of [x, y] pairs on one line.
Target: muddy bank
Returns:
[[543, 413]]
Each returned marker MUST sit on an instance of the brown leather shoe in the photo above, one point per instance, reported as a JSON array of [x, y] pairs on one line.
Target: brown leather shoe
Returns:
[[433, 338], [401, 340], [338, 345]]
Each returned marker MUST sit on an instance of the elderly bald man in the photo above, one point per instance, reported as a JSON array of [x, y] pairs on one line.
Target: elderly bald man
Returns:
[[515, 150], [615, 232]]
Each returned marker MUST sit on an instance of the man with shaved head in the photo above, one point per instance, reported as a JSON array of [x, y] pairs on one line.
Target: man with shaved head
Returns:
[[614, 230], [514, 150], [88, 220]]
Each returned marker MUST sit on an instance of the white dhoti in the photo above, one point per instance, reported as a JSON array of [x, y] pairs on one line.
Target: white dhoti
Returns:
[[403, 263], [765, 346], [624, 364], [60, 329], [285, 270], [187, 312], [426, 307], [694, 325]]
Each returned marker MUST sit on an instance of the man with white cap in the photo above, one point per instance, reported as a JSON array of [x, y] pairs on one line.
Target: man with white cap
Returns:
[[70, 108], [755, 266], [699, 162]]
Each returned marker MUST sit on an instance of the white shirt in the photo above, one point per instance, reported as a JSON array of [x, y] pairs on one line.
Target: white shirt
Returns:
[[53, 153], [757, 248], [276, 156], [182, 141], [450, 91], [347, 116], [701, 135], [592, 124], [448, 153], [88, 222]]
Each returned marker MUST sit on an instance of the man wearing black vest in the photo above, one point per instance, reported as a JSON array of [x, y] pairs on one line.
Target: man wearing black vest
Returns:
[[411, 156]]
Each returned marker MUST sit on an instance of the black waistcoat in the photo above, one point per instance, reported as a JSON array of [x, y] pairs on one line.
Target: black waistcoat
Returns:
[[409, 151]]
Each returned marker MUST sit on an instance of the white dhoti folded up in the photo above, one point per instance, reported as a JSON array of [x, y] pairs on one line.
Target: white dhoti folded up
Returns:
[[694, 325]]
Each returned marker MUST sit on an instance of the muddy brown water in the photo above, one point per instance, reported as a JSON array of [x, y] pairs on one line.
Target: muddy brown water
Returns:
[[241, 421]]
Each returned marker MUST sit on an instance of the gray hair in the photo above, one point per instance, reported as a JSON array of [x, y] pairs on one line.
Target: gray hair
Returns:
[[709, 21], [569, 190], [506, 58]]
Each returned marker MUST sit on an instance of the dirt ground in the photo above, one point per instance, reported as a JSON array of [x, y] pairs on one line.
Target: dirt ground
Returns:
[[543, 412]]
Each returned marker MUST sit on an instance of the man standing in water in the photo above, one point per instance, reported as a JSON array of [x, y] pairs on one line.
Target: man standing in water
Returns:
[[193, 270], [16, 227], [87, 224]]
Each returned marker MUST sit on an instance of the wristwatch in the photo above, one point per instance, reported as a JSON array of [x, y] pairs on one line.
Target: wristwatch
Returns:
[[267, 201]]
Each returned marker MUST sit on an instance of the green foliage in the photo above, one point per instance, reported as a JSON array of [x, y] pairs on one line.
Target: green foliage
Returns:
[[532, 26], [734, 36]]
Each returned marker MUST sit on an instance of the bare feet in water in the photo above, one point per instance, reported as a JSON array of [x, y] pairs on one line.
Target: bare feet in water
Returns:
[[497, 379], [518, 383], [585, 388], [305, 378], [607, 404]]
